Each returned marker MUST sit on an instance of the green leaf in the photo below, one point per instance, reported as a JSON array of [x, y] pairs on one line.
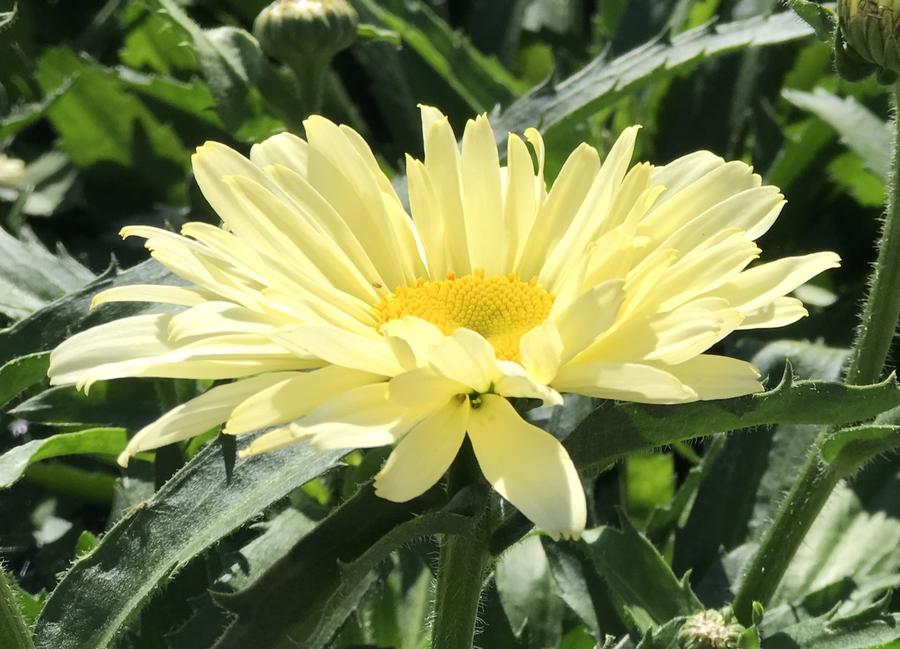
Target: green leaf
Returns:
[[822, 19], [156, 42], [649, 483], [208, 620], [99, 121], [14, 632], [860, 130], [49, 326], [615, 429], [21, 373], [203, 502], [31, 276], [131, 403], [582, 588], [331, 568], [602, 83], [869, 631], [94, 441], [481, 81], [850, 448], [638, 576], [230, 60], [527, 593], [23, 116]]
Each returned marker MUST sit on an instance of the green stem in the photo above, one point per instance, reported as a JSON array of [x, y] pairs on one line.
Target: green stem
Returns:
[[311, 76], [817, 480], [463, 564]]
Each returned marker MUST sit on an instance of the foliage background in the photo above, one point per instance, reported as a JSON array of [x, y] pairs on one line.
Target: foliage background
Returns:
[[105, 102]]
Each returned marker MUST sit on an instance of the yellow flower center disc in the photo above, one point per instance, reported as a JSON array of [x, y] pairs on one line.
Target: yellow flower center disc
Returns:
[[501, 308]]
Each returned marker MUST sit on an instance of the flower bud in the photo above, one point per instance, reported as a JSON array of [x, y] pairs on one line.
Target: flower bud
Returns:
[[709, 630], [305, 32], [870, 30]]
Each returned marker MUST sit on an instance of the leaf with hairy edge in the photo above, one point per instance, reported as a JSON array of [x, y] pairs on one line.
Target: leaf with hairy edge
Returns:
[[602, 83], [21, 373], [615, 429], [863, 132], [331, 568], [13, 630], [850, 448], [49, 326], [94, 441], [639, 576], [203, 502]]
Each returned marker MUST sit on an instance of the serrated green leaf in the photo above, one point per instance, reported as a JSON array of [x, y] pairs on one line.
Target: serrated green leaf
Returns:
[[601, 83], [94, 441], [21, 373], [331, 568], [14, 632], [859, 129], [639, 576], [525, 585], [871, 632], [31, 276], [102, 592], [615, 429]]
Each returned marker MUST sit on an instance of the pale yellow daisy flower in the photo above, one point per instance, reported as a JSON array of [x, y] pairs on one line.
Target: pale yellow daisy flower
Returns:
[[347, 323]]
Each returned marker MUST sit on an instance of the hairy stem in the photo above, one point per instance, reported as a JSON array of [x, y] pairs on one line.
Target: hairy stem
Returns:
[[817, 479], [463, 564]]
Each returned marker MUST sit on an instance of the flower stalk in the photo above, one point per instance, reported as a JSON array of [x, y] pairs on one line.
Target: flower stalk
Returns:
[[463, 564], [878, 324]]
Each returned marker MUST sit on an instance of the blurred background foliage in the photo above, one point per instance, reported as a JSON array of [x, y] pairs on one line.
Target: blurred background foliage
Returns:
[[105, 101]]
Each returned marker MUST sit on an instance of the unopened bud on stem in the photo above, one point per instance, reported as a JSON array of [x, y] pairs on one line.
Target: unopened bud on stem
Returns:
[[305, 35]]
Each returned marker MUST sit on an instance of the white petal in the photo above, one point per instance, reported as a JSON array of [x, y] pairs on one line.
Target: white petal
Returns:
[[528, 467], [780, 312], [411, 340], [181, 295], [424, 454]]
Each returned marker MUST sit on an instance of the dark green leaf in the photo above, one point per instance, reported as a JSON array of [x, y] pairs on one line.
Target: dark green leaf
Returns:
[[332, 568], [31, 276], [859, 129], [102, 592], [601, 83], [21, 373], [526, 588], [639, 577]]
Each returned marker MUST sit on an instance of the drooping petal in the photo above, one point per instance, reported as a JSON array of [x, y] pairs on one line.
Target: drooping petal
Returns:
[[199, 414], [541, 351], [515, 381], [528, 467], [425, 453], [424, 388]]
